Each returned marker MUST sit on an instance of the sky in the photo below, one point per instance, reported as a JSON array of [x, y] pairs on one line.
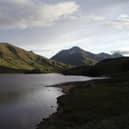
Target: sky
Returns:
[[48, 26]]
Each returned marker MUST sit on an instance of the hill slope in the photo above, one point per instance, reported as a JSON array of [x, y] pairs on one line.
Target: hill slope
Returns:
[[78, 56], [112, 66], [18, 60], [105, 67], [75, 56]]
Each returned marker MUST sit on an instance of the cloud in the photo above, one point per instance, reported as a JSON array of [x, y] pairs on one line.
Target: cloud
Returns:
[[122, 22], [28, 13], [121, 52], [96, 17]]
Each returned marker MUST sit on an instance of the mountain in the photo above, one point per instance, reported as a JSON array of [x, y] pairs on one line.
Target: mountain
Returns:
[[14, 59], [116, 55], [75, 56], [103, 68], [103, 56], [78, 56]]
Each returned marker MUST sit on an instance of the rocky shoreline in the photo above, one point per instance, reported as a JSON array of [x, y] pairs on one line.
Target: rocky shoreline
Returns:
[[95, 104], [67, 88]]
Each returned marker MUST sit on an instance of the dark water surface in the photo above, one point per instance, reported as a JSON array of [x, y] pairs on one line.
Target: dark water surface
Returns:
[[25, 101]]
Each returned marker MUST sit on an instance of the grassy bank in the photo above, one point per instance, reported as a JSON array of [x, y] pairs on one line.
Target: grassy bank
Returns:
[[100, 104]]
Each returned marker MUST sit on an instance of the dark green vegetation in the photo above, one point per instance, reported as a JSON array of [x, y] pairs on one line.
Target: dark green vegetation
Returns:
[[14, 59], [98, 104], [106, 67], [78, 56]]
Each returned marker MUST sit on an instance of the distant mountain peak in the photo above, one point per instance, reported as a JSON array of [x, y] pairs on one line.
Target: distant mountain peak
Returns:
[[103, 53], [78, 56], [75, 56], [75, 48]]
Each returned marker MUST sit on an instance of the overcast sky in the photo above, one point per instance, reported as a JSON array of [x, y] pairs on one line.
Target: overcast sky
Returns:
[[47, 26]]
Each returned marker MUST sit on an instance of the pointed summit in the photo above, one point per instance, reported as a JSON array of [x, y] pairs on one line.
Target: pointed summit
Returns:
[[78, 56], [75, 56], [75, 48]]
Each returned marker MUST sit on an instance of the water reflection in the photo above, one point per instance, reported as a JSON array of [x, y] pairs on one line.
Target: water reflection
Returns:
[[23, 110], [25, 101]]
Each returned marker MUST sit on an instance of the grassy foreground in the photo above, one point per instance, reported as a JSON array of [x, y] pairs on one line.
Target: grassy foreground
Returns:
[[98, 104]]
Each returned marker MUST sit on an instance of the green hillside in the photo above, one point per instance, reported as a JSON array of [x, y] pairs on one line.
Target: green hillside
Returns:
[[18, 59], [112, 66], [105, 67]]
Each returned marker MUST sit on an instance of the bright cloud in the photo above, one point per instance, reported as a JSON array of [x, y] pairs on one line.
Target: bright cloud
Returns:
[[96, 17], [121, 22], [27, 13]]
